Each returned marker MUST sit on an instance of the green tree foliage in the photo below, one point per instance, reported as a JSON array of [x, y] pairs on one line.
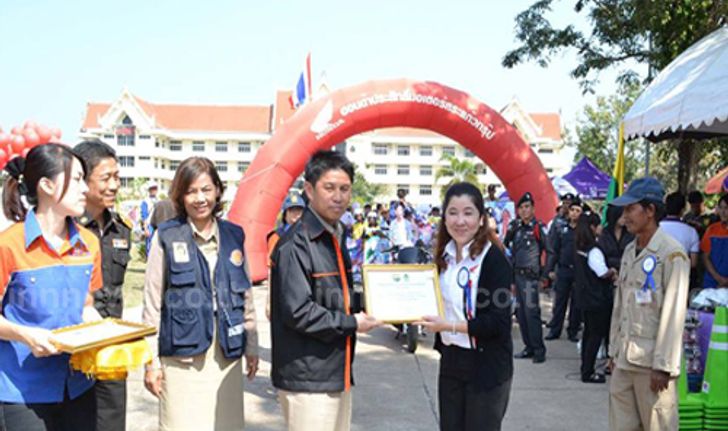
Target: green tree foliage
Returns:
[[596, 133], [624, 33], [457, 171], [365, 192]]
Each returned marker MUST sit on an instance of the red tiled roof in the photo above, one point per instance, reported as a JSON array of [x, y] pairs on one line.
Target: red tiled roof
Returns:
[[282, 109], [218, 118], [93, 112], [550, 124]]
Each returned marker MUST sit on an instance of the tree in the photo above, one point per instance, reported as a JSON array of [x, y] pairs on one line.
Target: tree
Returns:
[[365, 192], [458, 171], [645, 32], [597, 129]]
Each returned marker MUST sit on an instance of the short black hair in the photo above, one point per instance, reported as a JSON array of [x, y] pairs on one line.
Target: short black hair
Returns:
[[659, 208], [324, 161], [695, 197], [93, 152], [674, 203]]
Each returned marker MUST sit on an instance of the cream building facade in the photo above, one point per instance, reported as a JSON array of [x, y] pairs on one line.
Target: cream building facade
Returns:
[[152, 139]]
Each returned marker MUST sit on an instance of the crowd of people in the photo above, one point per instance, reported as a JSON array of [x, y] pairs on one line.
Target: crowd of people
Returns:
[[624, 285]]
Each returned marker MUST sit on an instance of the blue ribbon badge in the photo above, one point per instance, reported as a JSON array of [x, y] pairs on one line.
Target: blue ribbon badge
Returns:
[[648, 266], [465, 284]]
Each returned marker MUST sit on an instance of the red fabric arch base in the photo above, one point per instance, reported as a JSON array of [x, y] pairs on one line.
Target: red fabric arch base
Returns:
[[373, 105]]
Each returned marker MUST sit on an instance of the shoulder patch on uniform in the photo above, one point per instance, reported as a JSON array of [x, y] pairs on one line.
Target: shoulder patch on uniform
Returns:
[[125, 220], [675, 254]]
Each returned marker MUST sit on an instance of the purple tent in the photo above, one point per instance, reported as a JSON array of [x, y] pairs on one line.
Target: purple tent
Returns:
[[588, 180]]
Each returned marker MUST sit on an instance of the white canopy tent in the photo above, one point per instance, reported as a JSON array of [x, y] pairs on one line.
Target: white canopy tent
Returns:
[[689, 98]]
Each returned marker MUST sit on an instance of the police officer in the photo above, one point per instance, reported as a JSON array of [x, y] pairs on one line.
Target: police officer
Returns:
[[648, 316], [562, 217], [526, 238], [562, 261], [114, 233]]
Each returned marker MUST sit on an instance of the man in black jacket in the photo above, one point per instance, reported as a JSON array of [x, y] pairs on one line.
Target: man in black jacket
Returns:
[[313, 325], [560, 267]]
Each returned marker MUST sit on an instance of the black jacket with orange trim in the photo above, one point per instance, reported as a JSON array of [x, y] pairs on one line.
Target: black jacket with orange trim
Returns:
[[309, 323]]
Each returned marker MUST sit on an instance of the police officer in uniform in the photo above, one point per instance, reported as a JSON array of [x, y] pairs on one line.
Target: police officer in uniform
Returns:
[[114, 233], [648, 317], [526, 238], [562, 261]]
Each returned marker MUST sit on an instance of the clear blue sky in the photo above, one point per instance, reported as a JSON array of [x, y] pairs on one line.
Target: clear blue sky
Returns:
[[55, 56]]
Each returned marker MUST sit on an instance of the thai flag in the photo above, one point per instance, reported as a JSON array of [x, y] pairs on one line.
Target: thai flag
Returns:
[[302, 93]]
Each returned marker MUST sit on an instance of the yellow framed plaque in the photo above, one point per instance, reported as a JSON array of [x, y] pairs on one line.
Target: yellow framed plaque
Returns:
[[401, 293], [106, 332]]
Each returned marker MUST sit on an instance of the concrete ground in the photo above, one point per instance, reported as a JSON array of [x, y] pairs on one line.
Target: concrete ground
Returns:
[[396, 390]]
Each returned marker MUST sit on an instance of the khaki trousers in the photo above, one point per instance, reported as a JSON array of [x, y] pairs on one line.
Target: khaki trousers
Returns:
[[633, 406], [306, 411]]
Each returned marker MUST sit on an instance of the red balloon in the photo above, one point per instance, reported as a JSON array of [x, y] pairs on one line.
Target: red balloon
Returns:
[[3, 158], [31, 138], [4, 139], [25, 153], [17, 130], [56, 132], [30, 124], [44, 133], [17, 144]]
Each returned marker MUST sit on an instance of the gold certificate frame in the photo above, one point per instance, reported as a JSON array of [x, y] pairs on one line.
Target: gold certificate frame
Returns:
[[400, 293], [101, 333]]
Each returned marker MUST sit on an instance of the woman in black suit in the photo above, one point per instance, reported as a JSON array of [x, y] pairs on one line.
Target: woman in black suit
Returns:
[[474, 336]]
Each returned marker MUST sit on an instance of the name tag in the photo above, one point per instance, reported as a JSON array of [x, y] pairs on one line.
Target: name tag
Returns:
[[120, 243], [643, 297], [235, 330], [180, 252]]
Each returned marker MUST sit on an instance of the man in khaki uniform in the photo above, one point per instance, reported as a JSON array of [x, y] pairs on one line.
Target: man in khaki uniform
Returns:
[[650, 303]]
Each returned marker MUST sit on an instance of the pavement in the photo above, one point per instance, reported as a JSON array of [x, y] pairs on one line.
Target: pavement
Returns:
[[396, 390]]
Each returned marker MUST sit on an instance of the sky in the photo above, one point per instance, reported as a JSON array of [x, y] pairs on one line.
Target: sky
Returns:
[[55, 56]]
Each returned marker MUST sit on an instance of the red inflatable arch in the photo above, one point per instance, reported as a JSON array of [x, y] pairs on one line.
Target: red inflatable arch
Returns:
[[373, 105]]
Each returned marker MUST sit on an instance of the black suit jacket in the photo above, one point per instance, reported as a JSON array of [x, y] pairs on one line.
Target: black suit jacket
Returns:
[[491, 326]]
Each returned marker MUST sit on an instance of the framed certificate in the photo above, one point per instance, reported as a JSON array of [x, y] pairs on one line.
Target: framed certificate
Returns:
[[77, 338], [402, 293]]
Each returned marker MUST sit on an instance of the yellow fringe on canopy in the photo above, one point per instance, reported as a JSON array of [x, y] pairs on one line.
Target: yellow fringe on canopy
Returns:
[[112, 362]]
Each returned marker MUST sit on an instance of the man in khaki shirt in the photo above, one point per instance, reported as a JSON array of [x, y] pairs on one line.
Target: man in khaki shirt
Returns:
[[650, 303]]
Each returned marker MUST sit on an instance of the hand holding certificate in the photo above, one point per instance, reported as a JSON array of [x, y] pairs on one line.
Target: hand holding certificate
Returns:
[[402, 293]]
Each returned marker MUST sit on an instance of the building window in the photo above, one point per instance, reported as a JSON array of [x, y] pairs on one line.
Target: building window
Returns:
[[144, 158], [173, 165], [243, 166], [448, 150], [221, 166], [125, 140], [221, 147], [426, 150], [198, 146], [145, 137], [126, 161], [403, 170], [426, 170], [108, 136], [156, 164], [469, 154], [425, 190], [404, 187], [545, 150], [380, 169], [243, 147], [125, 182], [380, 149], [549, 170], [403, 150], [481, 169], [175, 146]]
